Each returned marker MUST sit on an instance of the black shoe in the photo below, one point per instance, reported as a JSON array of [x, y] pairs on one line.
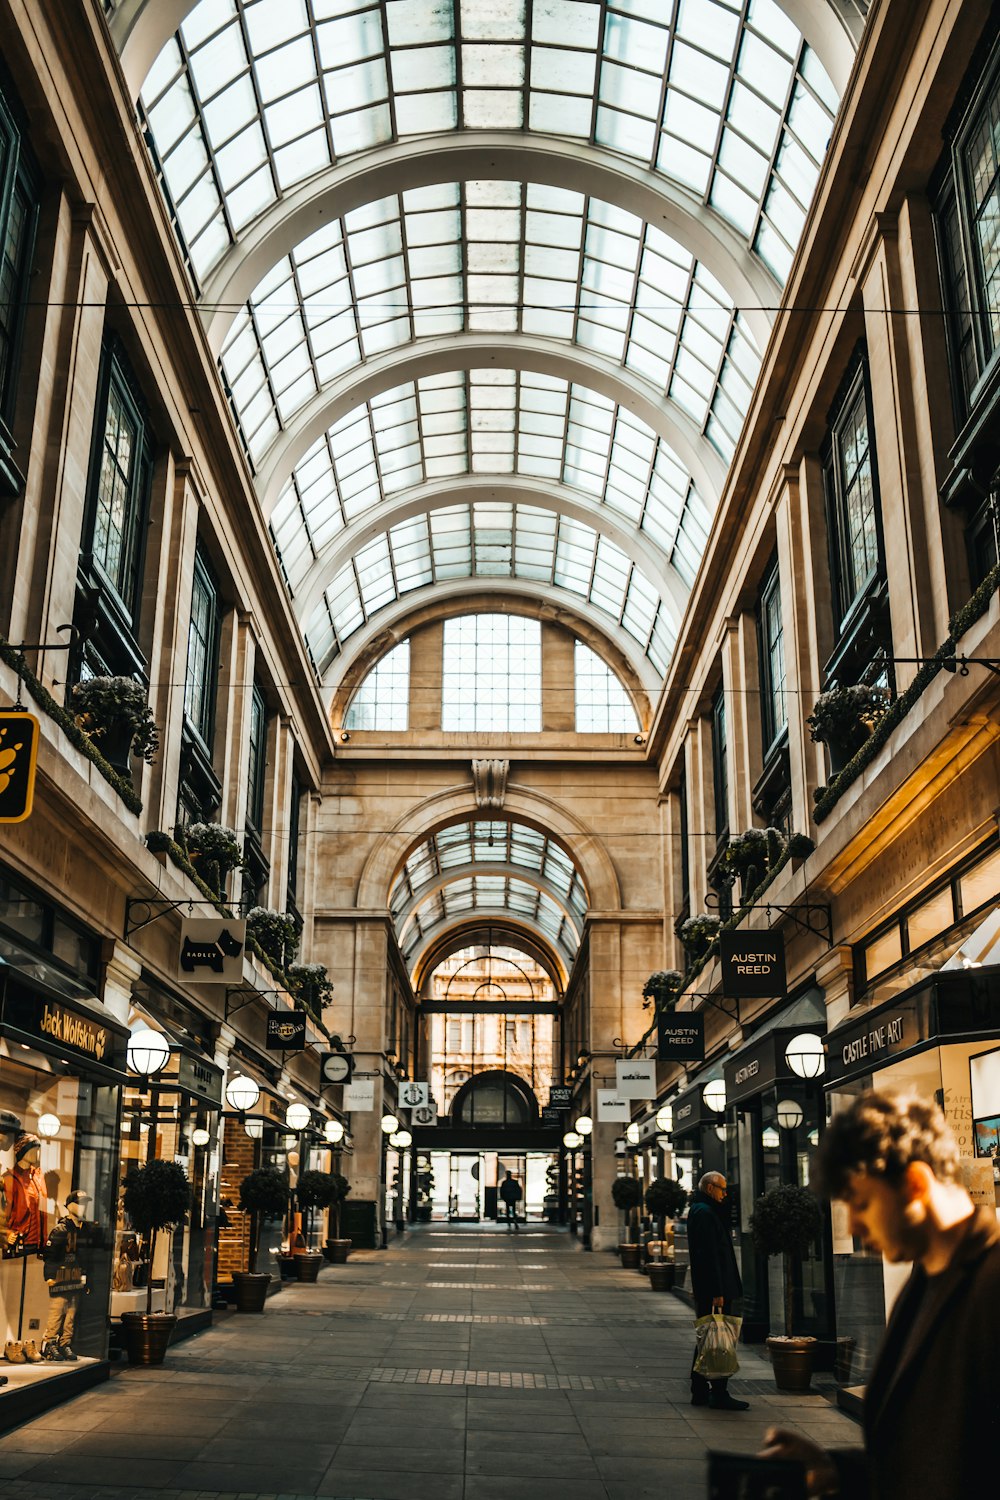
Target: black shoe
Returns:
[[727, 1402], [699, 1399], [67, 1353]]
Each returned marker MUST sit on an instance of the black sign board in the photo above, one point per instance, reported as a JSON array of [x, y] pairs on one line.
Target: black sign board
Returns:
[[560, 1097], [691, 1111], [551, 1116], [761, 1063], [680, 1037], [60, 1026], [753, 965], [286, 1031], [18, 754], [864, 1045]]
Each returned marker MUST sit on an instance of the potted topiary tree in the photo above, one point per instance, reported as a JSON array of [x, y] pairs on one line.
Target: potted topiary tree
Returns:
[[336, 1248], [627, 1195], [313, 1190], [662, 988], [310, 984], [115, 713], [786, 1221], [697, 934], [214, 850], [275, 933], [665, 1199], [843, 719], [263, 1195], [156, 1198]]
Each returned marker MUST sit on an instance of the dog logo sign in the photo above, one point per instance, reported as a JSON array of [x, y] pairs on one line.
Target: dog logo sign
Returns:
[[212, 950]]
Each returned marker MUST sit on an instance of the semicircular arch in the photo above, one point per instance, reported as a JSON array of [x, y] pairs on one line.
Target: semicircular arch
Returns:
[[441, 947]]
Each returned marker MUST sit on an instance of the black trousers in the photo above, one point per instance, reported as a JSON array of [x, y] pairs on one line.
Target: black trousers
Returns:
[[699, 1385]]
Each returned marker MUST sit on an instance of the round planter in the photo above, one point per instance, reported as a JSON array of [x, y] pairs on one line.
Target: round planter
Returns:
[[337, 1251], [307, 1264], [251, 1290], [146, 1336], [286, 1265], [661, 1276], [629, 1257], [792, 1361], [115, 744]]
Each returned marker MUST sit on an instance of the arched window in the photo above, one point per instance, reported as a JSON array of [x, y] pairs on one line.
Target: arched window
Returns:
[[492, 674], [383, 699], [602, 704]]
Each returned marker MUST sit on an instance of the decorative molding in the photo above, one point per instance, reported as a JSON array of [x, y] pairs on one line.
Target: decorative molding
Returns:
[[489, 778]]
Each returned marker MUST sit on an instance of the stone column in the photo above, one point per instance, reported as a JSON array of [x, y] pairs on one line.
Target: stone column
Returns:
[[741, 675], [795, 543], [277, 804], [122, 968], [835, 977], [558, 680], [168, 664], [700, 808], [426, 648], [237, 660]]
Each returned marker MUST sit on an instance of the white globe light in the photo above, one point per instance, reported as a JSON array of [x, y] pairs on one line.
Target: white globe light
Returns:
[[254, 1129], [770, 1139], [789, 1114], [714, 1095], [720, 1131], [242, 1093], [571, 1140], [584, 1125], [334, 1131], [401, 1139], [389, 1124], [665, 1118], [147, 1051], [632, 1134], [805, 1055], [200, 1137], [297, 1116], [49, 1125]]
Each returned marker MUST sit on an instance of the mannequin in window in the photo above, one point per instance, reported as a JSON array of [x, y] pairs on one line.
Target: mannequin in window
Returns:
[[10, 1129], [24, 1191], [66, 1275]]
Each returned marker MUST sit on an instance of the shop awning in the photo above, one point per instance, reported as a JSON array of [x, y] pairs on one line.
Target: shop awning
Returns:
[[78, 1030]]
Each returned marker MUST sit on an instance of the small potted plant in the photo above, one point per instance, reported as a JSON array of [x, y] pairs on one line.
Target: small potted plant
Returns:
[[214, 850], [156, 1198], [275, 933], [786, 1221], [698, 933], [665, 1199], [310, 983], [313, 1190], [627, 1195], [337, 1249], [263, 1195], [662, 988], [748, 856], [843, 719], [115, 713]]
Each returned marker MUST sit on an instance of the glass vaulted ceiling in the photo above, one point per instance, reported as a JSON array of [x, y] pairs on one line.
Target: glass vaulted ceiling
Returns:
[[720, 99], [456, 871]]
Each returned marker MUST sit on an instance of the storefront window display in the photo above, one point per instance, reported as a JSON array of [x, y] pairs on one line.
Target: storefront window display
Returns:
[[257, 1138]]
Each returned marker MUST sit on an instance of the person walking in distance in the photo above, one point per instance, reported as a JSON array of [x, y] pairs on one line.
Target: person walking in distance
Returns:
[[931, 1411], [715, 1278], [510, 1193]]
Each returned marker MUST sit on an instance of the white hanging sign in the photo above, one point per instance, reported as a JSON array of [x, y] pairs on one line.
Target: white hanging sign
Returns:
[[424, 1114], [211, 950], [635, 1079], [360, 1095], [610, 1107], [414, 1095]]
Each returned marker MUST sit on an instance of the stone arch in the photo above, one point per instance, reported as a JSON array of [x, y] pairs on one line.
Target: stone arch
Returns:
[[441, 945]]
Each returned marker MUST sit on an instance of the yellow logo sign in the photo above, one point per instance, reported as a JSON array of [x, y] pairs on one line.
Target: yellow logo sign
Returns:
[[76, 1031], [18, 753]]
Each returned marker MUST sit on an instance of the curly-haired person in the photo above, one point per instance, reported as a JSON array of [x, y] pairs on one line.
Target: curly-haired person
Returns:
[[932, 1407]]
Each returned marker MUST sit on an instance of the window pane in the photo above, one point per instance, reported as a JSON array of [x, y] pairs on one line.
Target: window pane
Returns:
[[383, 699], [602, 704], [492, 677], [981, 883], [883, 952], [930, 919]]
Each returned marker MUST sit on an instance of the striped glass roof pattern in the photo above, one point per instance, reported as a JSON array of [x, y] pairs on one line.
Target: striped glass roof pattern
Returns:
[[470, 893], [499, 257], [485, 842], [492, 540], [252, 97]]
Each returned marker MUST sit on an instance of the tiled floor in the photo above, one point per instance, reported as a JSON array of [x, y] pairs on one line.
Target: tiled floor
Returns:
[[392, 1379]]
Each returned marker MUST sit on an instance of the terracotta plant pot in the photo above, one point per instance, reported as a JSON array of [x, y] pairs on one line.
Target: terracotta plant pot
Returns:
[[661, 1276], [307, 1264], [792, 1361], [251, 1290], [629, 1257], [146, 1336], [337, 1251]]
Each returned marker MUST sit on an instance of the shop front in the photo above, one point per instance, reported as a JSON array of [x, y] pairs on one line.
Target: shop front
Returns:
[[62, 1063], [773, 1118], [698, 1138], [254, 1134], [172, 1115], [922, 1040]]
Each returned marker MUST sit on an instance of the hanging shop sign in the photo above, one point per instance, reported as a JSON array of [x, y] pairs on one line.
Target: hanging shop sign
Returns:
[[760, 1064], [424, 1114], [360, 1095], [635, 1079], [199, 1076], [286, 1031], [212, 949], [336, 1067], [680, 1037], [560, 1097], [612, 1108], [551, 1116], [414, 1095], [18, 756], [691, 1112], [753, 965], [61, 1026]]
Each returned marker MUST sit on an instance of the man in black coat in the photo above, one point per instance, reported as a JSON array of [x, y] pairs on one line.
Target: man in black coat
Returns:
[[931, 1411], [715, 1277]]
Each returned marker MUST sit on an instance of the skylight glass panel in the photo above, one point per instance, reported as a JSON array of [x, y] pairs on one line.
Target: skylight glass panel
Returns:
[[382, 700], [492, 674], [602, 704]]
